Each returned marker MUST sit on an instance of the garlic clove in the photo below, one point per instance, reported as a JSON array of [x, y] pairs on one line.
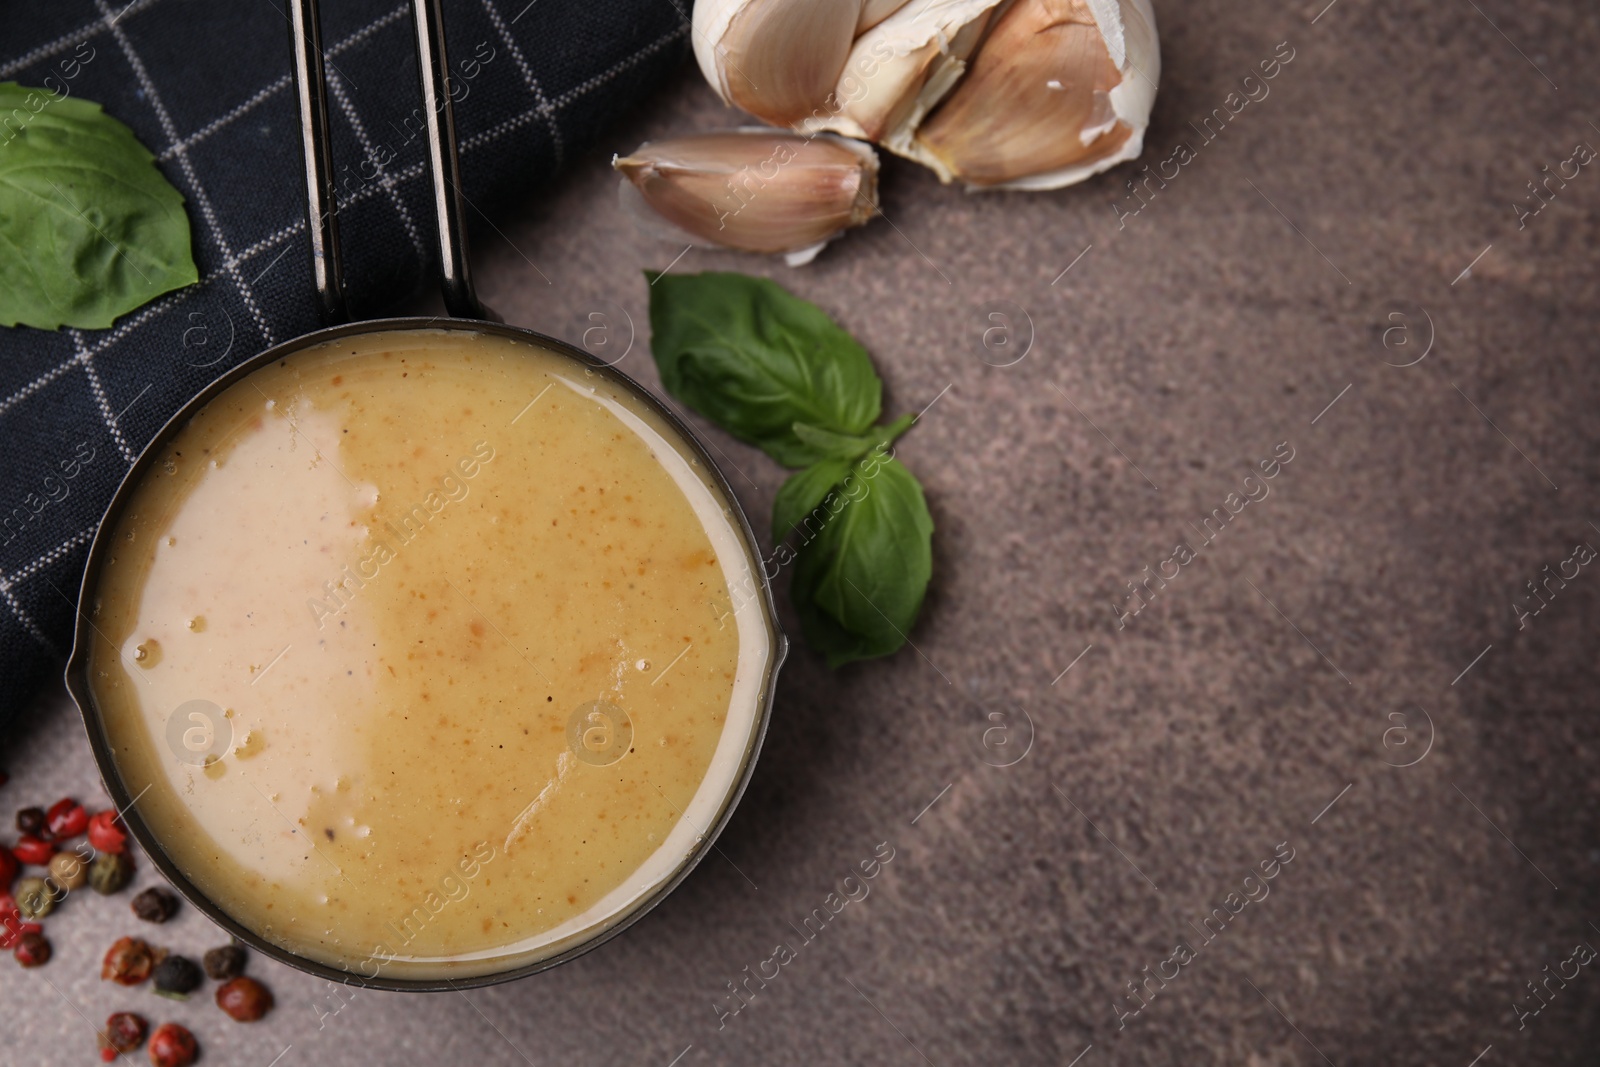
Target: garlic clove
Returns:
[[898, 69], [1058, 91], [756, 190], [776, 59]]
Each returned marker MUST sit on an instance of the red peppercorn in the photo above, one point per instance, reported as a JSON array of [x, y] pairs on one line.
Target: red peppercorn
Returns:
[[124, 1032], [30, 849], [172, 1046], [66, 818], [128, 962], [8, 868], [245, 999], [106, 833], [33, 949]]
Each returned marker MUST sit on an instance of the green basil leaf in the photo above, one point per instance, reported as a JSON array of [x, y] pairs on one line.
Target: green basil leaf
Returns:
[[859, 581], [804, 492], [755, 360], [89, 229]]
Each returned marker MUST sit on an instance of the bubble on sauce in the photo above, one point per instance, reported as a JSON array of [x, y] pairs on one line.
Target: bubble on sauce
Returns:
[[147, 653], [363, 831], [214, 767], [197, 624], [252, 744], [643, 665]]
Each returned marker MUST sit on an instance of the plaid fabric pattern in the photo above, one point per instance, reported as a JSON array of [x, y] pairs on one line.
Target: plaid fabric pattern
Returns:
[[206, 87]]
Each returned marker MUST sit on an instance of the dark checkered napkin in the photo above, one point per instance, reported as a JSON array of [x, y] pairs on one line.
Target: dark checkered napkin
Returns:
[[206, 87]]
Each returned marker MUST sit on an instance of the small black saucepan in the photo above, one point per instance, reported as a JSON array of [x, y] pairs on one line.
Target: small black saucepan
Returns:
[[467, 315]]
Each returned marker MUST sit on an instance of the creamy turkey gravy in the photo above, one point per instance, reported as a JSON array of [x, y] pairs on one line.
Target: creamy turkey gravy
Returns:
[[418, 651]]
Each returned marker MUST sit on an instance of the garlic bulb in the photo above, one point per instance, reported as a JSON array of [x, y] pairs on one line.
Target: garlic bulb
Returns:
[[757, 190], [1032, 94], [1060, 90]]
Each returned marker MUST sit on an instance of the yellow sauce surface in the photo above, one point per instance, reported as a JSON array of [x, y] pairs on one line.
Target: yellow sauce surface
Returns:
[[419, 653]]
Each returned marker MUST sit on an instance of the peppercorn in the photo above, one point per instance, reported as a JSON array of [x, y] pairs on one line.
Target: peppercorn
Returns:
[[106, 832], [31, 821], [155, 905], [33, 949], [128, 962], [177, 975], [66, 818], [68, 870], [245, 999], [225, 962], [172, 1046], [124, 1032], [34, 850], [8, 868], [110, 872], [37, 898]]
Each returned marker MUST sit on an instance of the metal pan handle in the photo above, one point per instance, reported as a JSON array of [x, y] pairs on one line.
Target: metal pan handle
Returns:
[[444, 164]]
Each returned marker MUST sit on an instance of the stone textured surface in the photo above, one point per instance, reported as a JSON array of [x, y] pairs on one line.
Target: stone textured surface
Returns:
[[1186, 344]]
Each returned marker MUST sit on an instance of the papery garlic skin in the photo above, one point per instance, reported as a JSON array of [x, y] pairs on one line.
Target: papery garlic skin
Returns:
[[754, 189], [899, 68], [1000, 129]]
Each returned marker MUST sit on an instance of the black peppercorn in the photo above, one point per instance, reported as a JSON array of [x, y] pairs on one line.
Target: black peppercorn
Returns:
[[31, 821], [110, 872], [177, 975], [155, 905], [225, 962]]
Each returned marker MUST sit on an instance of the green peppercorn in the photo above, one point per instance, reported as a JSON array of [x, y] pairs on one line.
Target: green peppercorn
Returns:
[[110, 872], [36, 898]]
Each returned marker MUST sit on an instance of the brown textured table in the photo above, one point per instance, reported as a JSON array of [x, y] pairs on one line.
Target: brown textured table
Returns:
[[1242, 712]]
